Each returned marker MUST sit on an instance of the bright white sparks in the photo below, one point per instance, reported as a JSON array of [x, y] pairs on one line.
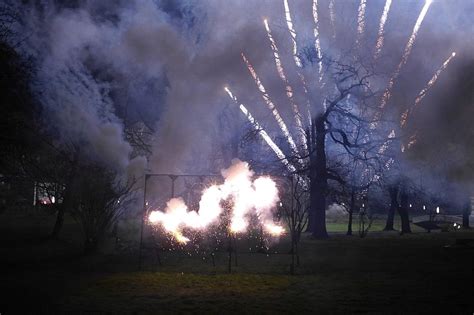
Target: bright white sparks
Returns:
[[383, 20], [278, 152], [412, 140], [361, 20], [433, 80], [386, 144], [288, 89], [271, 106], [291, 28], [406, 54], [430, 83], [260, 195], [317, 40]]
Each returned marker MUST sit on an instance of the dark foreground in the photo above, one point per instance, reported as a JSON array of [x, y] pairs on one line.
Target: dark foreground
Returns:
[[383, 273]]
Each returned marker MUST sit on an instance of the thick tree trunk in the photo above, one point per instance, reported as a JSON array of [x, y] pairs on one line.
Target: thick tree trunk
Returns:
[[403, 211], [393, 191], [351, 212], [319, 182], [466, 213]]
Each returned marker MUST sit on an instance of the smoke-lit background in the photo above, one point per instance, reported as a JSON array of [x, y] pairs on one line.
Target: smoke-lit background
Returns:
[[103, 66]]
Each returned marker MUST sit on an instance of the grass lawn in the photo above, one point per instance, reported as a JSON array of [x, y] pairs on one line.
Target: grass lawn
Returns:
[[382, 273]]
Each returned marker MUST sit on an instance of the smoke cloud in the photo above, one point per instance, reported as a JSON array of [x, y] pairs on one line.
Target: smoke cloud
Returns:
[[102, 67]]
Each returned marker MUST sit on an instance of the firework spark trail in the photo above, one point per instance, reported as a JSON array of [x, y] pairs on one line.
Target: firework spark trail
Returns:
[[332, 18], [308, 104], [289, 23], [412, 140], [423, 92], [317, 40], [271, 106], [260, 195], [381, 151], [361, 20], [385, 145], [278, 152], [288, 89], [383, 20], [387, 94], [297, 59]]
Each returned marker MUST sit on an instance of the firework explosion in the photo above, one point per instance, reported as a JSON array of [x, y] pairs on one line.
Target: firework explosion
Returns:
[[258, 196], [299, 66]]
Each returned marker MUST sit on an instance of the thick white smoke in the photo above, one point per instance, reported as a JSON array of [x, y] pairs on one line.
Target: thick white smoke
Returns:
[[248, 196]]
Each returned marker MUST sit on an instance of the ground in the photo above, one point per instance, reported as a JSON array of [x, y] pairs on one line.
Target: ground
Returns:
[[382, 273]]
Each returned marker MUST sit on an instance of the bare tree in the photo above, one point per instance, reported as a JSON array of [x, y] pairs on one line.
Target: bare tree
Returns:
[[295, 211], [100, 201]]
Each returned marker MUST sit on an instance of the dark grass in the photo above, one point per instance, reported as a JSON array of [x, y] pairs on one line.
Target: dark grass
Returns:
[[382, 273]]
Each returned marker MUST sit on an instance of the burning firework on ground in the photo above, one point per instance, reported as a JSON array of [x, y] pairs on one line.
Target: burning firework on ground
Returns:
[[246, 196]]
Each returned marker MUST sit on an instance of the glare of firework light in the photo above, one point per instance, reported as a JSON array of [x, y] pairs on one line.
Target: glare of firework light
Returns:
[[273, 229], [288, 89], [271, 106], [278, 152], [289, 23], [387, 94], [423, 92], [383, 20]]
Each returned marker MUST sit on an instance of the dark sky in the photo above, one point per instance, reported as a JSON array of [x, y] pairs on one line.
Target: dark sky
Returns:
[[103, 63]]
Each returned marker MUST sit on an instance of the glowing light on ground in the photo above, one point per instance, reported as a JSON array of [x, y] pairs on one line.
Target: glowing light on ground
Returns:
[[288, 89], [387, 94], [271, 106], [289, 23], [278, 152], [383, 20], [273, 229], [423, 92], [259, 195]]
